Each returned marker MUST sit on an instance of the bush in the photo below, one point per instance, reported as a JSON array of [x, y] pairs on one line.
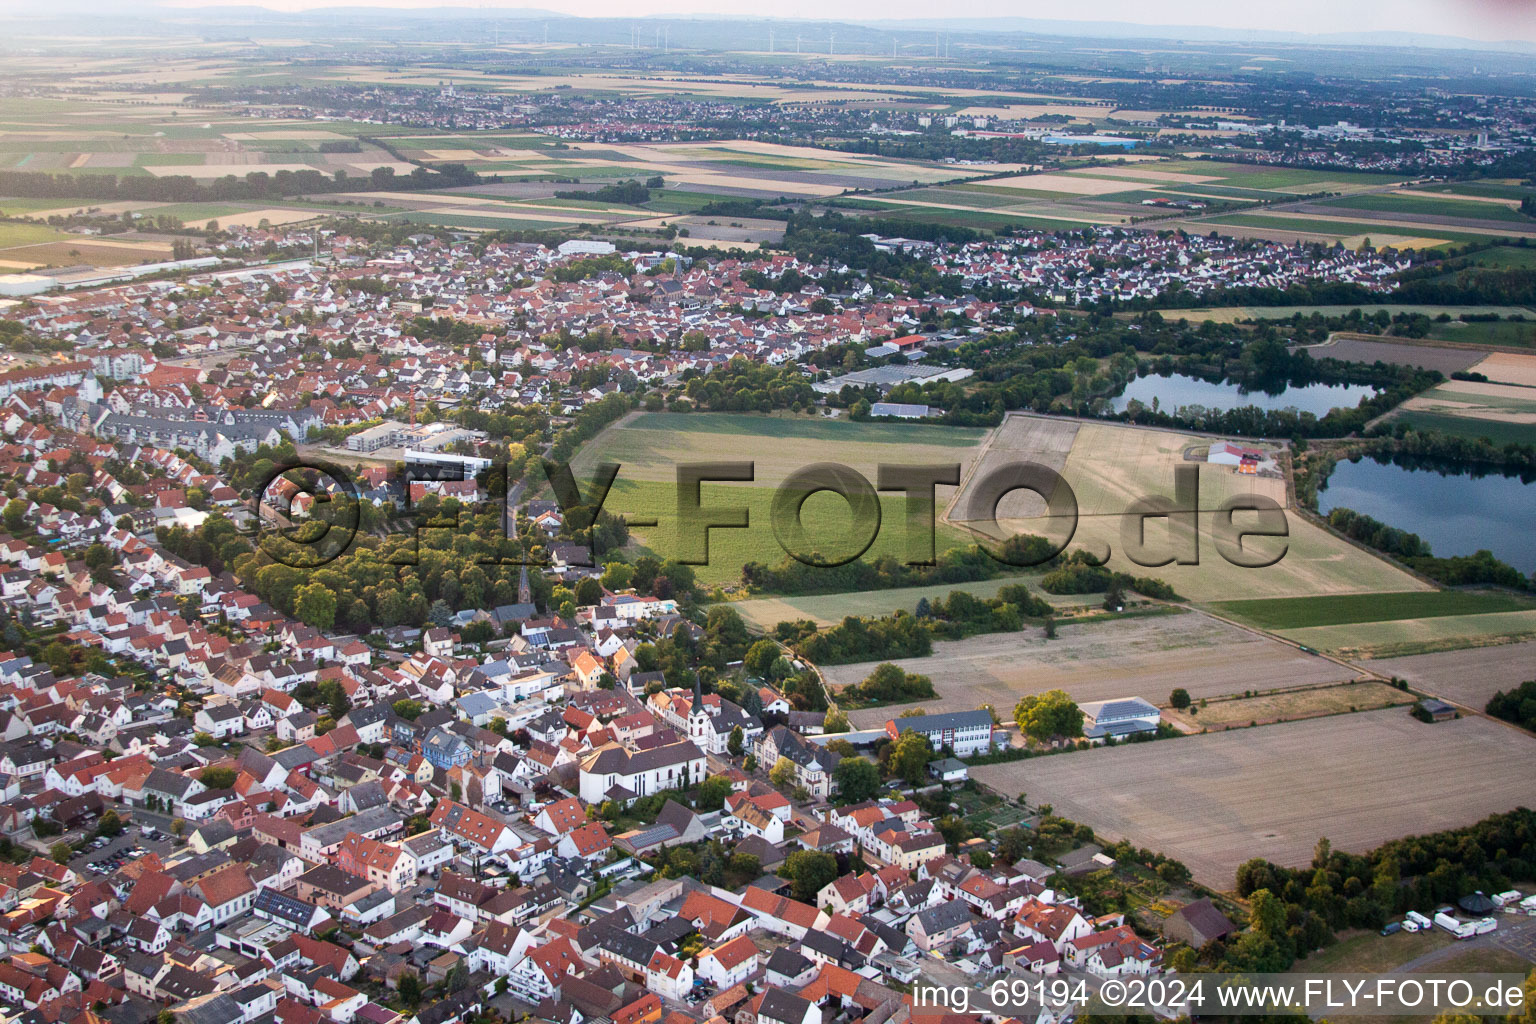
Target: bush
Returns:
[[1518, 705]]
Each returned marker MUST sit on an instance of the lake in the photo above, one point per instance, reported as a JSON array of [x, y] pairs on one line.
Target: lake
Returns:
[[1181, 390], [1455, 512]]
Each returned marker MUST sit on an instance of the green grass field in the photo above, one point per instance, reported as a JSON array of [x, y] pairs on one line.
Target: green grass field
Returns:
[[825, 516], [805, 428], [1341, 229], [1235, 314], [13, 233], [1467, 426], [1505, 257], [649, 447], [1344, 609], [1255, 176], [1514, 333], [26, 207], [827, 609], [1371, 953], [1432, 207], [670, 201]]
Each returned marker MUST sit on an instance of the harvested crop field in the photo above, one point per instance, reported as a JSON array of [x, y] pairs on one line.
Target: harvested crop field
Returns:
[[1289, 705], [1508, 368], [1216, 800], [1351, 348], [1109, 467], [1098, 660], [96, 253], [1468, 677]]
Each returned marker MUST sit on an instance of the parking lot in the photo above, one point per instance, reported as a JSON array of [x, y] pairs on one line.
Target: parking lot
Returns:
[[105, 856]]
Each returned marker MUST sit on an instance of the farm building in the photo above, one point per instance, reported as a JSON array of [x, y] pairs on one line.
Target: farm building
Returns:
[[1123, 717], [1431, 710], [900, 410], [1197, 924], [1240, 457]]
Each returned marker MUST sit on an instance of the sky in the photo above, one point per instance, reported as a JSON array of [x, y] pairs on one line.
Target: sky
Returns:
[[1476, 19]]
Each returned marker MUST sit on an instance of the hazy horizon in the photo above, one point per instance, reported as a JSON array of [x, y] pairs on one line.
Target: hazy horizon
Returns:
[[1487, 20]]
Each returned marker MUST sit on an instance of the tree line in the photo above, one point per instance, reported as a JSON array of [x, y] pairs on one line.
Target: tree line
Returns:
[[1297, 910], [183, 188]]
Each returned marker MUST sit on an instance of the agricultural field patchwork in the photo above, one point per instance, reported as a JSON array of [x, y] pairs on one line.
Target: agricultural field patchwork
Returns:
[[1503, 412], [1100, 659]]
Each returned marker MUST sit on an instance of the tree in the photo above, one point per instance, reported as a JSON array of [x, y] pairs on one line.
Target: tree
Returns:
[[315, 605], [736, 743], [909, 757], [217, 777], [616, 576], [1012, 845], [761, 656], [15, 515], [588, 591], [178, 826], [712, 793], [1179, 698], [1268, 914], [110, 825], [410, 988], [98, 556], [1047, 716], [782, 773], [407, 709], [810, 871], [981, 859], [834, 722], [857, 779], [61, 852]]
